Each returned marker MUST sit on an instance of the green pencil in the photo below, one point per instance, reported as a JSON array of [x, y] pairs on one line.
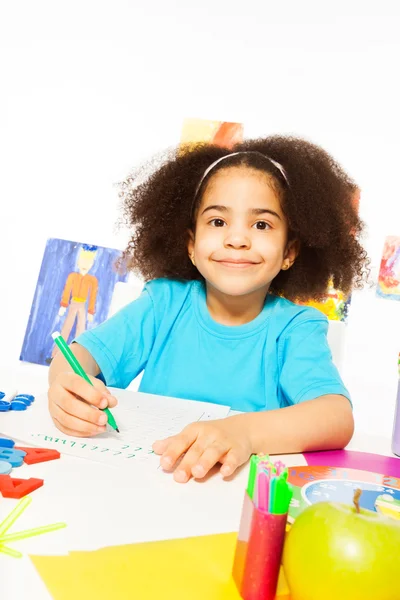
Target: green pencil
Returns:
[[75, 365]]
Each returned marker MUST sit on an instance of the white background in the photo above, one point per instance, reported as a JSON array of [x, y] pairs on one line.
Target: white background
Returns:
[[90, 88]]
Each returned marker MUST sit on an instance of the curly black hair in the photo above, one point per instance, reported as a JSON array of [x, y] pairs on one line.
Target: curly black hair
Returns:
[[160, 206]]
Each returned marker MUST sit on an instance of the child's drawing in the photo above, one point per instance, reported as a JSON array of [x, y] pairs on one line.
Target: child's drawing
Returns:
[[80, 293], [389, 273], [73, 293], [220, 133], [335, 306]]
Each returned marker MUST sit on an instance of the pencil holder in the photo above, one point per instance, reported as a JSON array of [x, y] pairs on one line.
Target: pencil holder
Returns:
[[258, 552]]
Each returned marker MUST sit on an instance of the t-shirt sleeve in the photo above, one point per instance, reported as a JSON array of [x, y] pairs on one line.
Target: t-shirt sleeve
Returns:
[[121, 345], [307, 370]]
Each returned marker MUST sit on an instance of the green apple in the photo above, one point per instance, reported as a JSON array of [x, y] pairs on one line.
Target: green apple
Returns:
[[341, 552]]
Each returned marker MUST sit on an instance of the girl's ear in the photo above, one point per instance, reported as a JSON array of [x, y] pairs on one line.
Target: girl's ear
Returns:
[[291, 253], [190, 244]]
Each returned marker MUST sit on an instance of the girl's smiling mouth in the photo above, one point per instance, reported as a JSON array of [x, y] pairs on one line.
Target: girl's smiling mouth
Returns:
[[236, 263]]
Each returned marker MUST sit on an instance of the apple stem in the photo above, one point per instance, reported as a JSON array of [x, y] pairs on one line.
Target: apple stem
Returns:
[[356, 499]]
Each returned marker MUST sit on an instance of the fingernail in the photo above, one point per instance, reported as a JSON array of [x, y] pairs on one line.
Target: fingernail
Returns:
[[159, 445], [226, 470], [166, 462], [102, 420], [103, 403], [101, 429], [198, 471], [181, 476]]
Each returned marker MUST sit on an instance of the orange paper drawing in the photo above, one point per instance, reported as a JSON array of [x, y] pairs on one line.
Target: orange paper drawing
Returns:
[[220, 133]]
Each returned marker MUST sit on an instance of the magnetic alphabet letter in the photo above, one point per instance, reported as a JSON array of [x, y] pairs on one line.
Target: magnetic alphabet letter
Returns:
[[11, 487], [37, 455]]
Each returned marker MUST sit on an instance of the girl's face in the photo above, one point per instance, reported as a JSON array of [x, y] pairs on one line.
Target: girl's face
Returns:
[[240, 243]]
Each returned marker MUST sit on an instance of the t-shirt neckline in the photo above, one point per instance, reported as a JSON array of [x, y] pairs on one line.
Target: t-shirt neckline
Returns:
[[228, 331]]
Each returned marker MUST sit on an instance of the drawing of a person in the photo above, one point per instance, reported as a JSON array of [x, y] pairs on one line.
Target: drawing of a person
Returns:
[[79, 295]]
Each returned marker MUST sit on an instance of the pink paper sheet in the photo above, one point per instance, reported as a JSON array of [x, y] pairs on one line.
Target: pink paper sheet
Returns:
[[355, 460]]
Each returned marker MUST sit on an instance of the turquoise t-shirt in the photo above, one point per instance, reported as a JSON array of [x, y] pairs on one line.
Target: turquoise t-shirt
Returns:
[[280, 358]]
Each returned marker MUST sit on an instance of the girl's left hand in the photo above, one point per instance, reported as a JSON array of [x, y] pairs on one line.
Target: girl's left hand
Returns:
[[204, 444]]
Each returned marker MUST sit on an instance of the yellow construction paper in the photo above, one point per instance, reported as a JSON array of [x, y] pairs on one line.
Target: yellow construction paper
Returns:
[[198, 568]]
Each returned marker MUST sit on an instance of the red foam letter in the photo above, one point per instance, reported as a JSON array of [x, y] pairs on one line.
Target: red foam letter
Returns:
[[11, 487], [37, 455]]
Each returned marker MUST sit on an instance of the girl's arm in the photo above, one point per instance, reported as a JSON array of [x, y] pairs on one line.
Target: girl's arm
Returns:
[[325, 423], [60, 365]]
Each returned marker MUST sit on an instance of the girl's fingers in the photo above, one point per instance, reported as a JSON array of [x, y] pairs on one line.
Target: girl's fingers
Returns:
[[210, 457], [177, 445], [184, 471], [112, 401], [105, 393], [82, 428], [79, 409], [90, 393], [67, 431], [160, 446], [231, 462]]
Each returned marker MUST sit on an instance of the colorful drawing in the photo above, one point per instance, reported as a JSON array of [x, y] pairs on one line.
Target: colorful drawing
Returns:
[[335, 306], [389, 273], [311, 484], [79, 295], [220, 133], [73, 293]]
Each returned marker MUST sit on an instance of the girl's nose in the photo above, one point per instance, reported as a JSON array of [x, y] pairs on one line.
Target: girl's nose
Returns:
[[237, 239]]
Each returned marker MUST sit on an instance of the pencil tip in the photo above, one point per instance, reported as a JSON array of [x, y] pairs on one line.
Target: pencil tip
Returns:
[[117, 430]]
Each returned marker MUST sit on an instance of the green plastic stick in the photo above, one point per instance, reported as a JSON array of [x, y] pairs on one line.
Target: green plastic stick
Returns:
[[289, 495], [10, 552], [283, 495], [14, 514], [77, 368], [21, 535], [254, 460], [272, 494]]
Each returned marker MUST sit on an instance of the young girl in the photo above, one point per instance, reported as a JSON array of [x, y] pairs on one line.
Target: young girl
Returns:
[[226, 240]]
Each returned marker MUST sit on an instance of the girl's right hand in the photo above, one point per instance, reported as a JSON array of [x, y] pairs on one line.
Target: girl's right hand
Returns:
[[74, 404]]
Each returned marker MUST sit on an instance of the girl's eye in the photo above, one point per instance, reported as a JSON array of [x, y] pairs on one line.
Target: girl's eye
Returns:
[[217, 222], [262, 225]]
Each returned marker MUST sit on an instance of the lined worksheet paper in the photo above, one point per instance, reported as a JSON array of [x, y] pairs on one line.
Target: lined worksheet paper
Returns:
[[141, 418]]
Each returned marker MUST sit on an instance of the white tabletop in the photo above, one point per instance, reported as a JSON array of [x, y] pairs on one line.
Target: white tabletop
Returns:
[[104, 506]]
